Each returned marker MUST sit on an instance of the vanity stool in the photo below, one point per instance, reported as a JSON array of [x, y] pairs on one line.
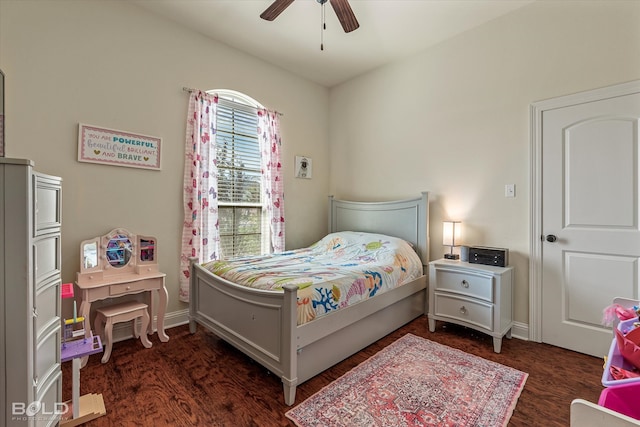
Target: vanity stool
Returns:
[[117, 313]]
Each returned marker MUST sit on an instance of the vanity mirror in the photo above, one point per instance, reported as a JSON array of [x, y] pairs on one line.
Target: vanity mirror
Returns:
[[118, 252], [147, 250], [89, 254], [119, 249]]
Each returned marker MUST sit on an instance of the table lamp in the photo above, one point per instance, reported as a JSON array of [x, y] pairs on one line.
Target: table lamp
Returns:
[[451, 236]]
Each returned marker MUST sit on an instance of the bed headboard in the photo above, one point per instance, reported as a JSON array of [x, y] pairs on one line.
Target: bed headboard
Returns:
[[406, 219]]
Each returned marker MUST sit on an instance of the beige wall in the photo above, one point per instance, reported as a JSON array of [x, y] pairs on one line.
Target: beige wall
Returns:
[[114, 65], [454, 120]]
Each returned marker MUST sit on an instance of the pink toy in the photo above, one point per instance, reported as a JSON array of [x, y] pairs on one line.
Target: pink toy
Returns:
[[616, 310], [67, 290]]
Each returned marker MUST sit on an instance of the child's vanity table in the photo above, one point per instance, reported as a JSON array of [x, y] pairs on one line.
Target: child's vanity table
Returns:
[[117, 264]]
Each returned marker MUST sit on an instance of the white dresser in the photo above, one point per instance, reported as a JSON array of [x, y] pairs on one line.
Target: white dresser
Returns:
[[473, 295], [30, 280]]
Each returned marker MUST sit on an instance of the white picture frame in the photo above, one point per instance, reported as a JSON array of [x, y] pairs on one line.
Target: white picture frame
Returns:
[[304, 167]]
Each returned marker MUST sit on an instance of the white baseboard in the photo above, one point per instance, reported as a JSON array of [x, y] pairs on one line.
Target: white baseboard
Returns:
[[123, 331], [520, 331]]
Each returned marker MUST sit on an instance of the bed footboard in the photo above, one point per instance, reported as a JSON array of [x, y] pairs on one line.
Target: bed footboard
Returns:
[[262, 324], [259, 323]]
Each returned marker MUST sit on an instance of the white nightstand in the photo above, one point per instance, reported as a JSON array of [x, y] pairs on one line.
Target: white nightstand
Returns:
[[473, 295]]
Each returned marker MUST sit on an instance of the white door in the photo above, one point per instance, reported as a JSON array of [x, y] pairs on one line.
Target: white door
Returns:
[[590, 225]]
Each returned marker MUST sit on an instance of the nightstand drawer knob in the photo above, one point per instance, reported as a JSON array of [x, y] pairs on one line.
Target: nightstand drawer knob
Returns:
[[465, 284], [463, 310]]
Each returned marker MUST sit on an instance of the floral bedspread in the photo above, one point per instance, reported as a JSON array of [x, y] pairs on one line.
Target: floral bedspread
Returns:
[[340, 270]]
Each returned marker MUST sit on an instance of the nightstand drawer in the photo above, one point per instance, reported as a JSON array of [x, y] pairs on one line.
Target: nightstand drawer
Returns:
[[466, 283], [464, 309]]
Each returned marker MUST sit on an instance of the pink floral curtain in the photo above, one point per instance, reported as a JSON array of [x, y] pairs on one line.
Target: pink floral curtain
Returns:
[[200, 233], [272, 181]]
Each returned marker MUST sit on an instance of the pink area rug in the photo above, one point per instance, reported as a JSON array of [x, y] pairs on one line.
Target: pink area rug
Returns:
[[416, 382]]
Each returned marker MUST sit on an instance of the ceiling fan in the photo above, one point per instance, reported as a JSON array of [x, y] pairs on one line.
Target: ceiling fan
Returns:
[[342, 8]]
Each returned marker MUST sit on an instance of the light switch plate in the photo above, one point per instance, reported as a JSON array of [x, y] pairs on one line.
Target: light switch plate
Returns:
[[510, 190]]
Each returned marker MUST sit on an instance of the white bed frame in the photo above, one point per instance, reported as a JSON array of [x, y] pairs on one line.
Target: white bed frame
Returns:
[[263, 324]]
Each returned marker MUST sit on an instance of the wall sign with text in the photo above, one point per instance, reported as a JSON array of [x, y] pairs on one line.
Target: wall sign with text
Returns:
[[118, 148]]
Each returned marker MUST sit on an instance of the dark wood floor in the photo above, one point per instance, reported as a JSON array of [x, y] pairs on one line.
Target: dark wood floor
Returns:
[[199, 380]]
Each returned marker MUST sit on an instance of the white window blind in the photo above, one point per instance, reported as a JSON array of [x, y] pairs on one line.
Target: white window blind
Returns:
[[240, 209]]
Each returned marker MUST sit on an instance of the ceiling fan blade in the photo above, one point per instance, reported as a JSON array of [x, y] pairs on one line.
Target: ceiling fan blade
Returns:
[[276, 8], [345, 15]]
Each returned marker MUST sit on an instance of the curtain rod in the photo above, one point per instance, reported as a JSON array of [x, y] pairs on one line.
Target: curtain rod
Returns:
[[189, 89]]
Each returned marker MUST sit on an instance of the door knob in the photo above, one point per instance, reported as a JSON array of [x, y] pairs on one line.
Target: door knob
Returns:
[[551, 238]]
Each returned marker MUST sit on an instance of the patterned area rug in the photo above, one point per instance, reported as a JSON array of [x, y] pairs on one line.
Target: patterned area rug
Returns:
[[416, 382]]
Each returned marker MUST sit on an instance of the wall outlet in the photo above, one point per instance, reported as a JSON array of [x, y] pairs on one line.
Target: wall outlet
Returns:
[[510, 190]]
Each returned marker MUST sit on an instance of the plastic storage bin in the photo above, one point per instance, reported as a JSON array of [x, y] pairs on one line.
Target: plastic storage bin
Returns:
[[615, 359], [624, 398], [628, 337]]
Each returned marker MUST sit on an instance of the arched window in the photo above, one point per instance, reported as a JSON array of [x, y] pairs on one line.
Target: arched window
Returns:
[[243, 223], [233, 186]]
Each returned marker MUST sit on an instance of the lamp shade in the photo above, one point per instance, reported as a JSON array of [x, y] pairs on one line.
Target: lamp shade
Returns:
[[451, 233]]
